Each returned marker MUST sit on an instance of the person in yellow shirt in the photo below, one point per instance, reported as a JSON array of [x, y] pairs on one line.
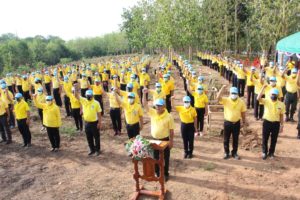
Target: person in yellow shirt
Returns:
[[273, 84], [56, 87], [250, 87], [144, 81], [258, 84], [41, 98], [123, 80], [22, 114], [168, 89], [270, 70], [115, 111], [162, 128], [273, 121], [201, 103], [47, 82], [92, 116], [26, 88], [4, 118], [7, 96], [51, 120], [241, 79], [19, 84], [157, 93], [234, 111], [133, 115], [188, 118], [76, 109], [98, 91], [83, 84], [115, 82], [291, 97], [105, 77], [67, 87]]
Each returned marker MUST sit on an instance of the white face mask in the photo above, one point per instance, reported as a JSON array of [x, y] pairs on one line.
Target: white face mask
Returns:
[[199, 91], [233, 96], [186, 105], [273, 84], [130, 101]]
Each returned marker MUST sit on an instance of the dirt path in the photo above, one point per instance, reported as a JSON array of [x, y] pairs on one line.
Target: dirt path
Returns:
[[36, 173]]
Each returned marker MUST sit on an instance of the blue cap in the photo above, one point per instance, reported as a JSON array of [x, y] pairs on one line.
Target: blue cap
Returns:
[[273, 78], [37, 79], [253, 68], [97, 80], [89, 93], [129, 85], [157, 85], [234, 90], [131, 94], [132, 76], [18, 95], [186, 98], [200, 87], [2, 81], [159, 102], [3, 85], [275, 91], [294, 70], [24, 76], [115, 76], [40, 89], [49, 98], [66, 78], [200, 78], [83, 75], [166, 76]]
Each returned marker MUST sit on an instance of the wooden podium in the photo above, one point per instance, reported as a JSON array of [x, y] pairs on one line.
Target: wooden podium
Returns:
[[149, 173]]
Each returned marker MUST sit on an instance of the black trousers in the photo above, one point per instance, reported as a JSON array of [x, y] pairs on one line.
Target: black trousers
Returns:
[[168, 103], [258, 109], [10, 88], [54, 137], [200, 118], [57, 97], [192, 98], [234, 80], [92, 136], [82, 91], [123, 87], [77, 118], [4, 128], [12, 121], [115, 115], [48, 88], [26, 96], [187, 134], [233, 129], [99, 99], [241, 86], [291, 101], [19, 87], [133, 130], [40, 111], [250, 96], [24, 130], [166, 157], [269, 129], [67, 105], [105, 86]]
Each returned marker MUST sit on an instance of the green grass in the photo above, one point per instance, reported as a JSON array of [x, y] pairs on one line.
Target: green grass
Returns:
[[209, 166], [69, 131]]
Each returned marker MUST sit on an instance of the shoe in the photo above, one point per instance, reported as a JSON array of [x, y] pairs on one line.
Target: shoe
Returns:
[[97, 153], [201, 134], [185, 156], [8, 142], [52, 150], [116, 133], [2, 141], [271, 155], [166, 178], [28, 145], [236, 156], [12, 127], [292, 120], [91, 153], [287, 119], [56, 149], [257, 119], [190, 156], [24, 145], [226, 156], [264, 156]]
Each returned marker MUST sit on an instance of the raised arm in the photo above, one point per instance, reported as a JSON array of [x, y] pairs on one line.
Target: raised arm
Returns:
[[144, 100], [220, 93], [261, 92]]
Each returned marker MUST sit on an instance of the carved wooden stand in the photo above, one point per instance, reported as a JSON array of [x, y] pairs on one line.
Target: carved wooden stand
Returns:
[[149, 173]]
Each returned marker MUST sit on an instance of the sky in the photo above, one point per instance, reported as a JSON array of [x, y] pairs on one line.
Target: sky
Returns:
[[68, 19]]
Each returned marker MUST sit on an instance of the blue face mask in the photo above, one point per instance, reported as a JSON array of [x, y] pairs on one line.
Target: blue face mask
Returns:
[[200, 91]]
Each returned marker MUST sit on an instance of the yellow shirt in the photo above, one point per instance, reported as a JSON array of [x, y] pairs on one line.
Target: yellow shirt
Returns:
[[4, 97], [25, 85], [83, 83], [200, 100], [51, 114], [132, 112], [233, 109], [273, 110], [67, 87], [187, 115], [21, 108], [113, 103], [249, 82], [90, 109], [269, 72], [240, 73], [97, 89], [143, 78], [75, 103], [161, 124], [40, 99], [104, 77], [3, 107], [136, 87], [47, 79], [291, 84], [124, 95], [156, 95], [167, 87], [18, 81], [258, 86], [55, 83]]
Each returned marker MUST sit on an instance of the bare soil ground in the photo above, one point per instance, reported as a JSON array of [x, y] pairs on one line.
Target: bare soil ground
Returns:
[[36, 173]]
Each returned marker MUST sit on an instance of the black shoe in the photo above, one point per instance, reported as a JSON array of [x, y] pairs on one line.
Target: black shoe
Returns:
[[257, 119], [97, 153], [236, 156], [8, 142], [24, 145], [271, 155], [2, 141], [264, 156], [28, 145], [226, 156], [52, 150], [190, 156], [287, 119], [166, 178], [91, 153], [185, 156], [292, 120], [56, 149]]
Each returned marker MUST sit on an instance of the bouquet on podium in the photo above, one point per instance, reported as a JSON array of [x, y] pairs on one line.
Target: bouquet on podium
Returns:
[[139, 148]]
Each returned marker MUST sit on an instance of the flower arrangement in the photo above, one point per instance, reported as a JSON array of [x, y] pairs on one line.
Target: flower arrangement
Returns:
[[139, 148]]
